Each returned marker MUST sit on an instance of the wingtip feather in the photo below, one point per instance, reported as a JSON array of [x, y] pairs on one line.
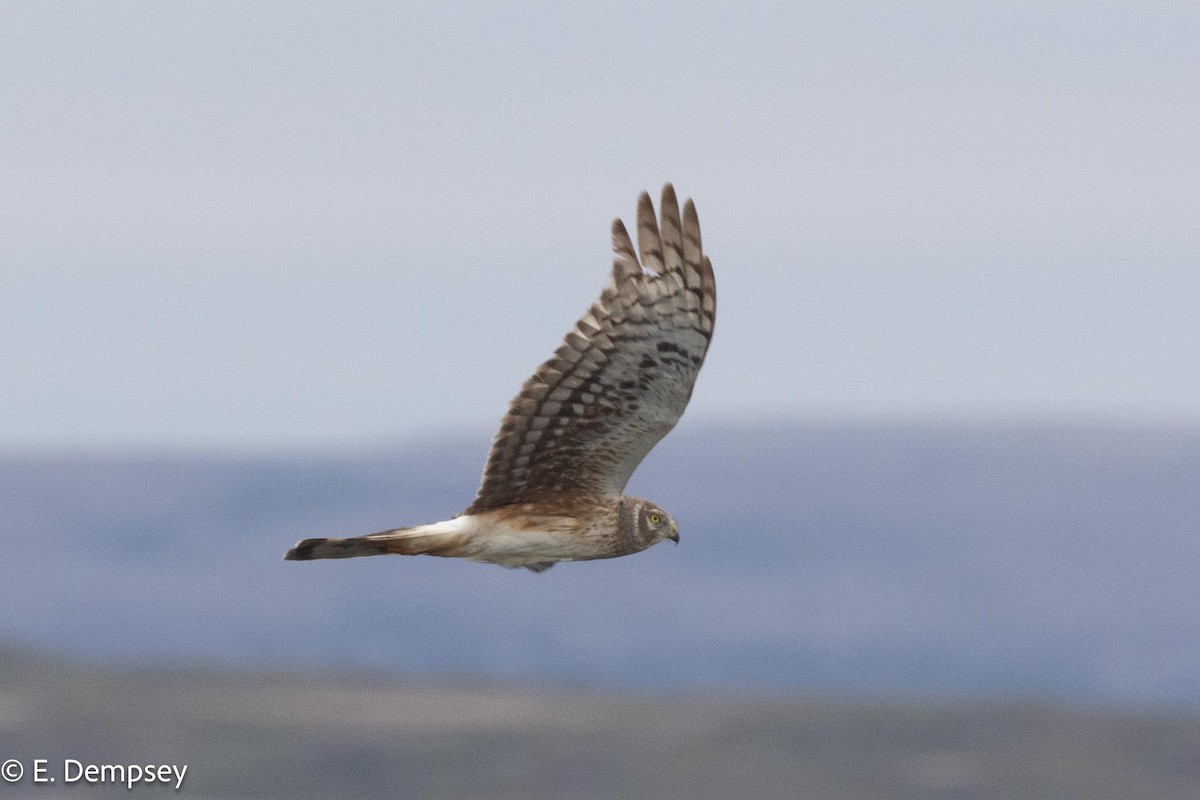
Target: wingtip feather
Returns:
[[649, 243], [693, 248], [625, 261]]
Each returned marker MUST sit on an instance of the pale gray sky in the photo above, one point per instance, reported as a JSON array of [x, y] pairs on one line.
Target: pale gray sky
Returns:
[[307, 224]]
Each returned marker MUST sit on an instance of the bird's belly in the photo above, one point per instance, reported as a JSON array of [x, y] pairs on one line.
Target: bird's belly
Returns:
[[539, 541]]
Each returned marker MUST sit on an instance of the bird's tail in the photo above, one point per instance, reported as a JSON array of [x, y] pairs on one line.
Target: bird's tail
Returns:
[[421, 540]]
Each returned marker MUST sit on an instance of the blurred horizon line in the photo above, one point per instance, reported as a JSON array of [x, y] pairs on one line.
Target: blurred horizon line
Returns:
[[474, 433]]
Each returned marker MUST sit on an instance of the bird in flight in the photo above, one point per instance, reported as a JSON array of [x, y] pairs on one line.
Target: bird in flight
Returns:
[[553, 486]]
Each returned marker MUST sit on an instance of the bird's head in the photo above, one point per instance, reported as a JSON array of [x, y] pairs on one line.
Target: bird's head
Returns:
[[654, 524]]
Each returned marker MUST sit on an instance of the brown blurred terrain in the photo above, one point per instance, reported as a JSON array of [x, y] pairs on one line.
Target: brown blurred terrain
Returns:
[[245, 734]]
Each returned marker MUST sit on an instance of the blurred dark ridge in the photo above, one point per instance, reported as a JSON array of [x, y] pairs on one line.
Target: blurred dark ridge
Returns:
[[1027, 558]]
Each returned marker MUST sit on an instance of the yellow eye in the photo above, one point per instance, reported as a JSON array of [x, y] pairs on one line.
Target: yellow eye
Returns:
[[655, 519]]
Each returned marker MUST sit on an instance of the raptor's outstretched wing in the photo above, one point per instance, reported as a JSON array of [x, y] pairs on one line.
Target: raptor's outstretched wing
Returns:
[[622, 376]]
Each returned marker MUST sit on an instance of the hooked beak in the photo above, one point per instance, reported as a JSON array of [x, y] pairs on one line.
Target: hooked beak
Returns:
[[674, 535]]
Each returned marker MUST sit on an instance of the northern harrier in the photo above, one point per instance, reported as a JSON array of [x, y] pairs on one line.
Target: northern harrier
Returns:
[[552, 487]]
